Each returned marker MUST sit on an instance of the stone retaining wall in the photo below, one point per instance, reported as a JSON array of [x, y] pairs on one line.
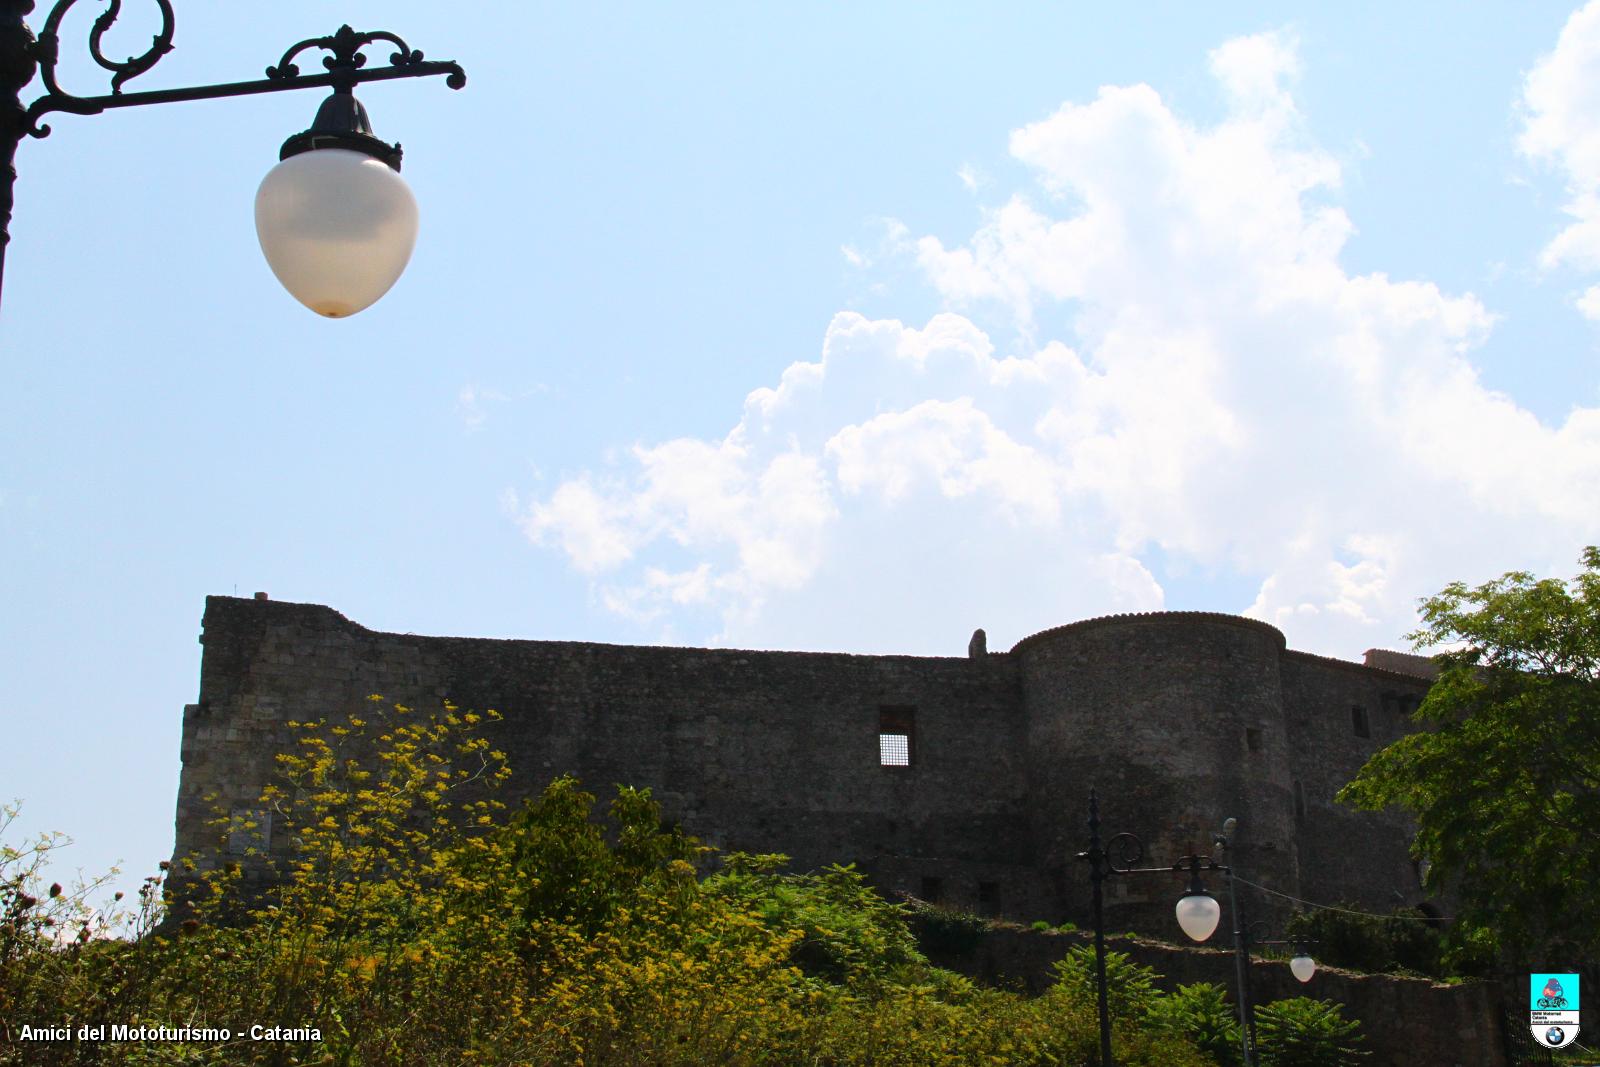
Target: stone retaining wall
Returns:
[[1407, 1022]]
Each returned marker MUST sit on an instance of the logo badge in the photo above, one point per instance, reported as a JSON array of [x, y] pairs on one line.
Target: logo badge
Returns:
[[1553, 1008]]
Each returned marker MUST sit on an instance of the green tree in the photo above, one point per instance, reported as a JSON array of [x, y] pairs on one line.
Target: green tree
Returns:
[[1130, 987], [1405, 942], [1504, 780], [850, 934]]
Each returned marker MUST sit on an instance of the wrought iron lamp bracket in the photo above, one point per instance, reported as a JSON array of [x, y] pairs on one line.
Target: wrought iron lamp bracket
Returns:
[[346, 67]]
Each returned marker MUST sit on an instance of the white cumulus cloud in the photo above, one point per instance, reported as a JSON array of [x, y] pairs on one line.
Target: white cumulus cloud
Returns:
[[1223, 394], [1561, 128]]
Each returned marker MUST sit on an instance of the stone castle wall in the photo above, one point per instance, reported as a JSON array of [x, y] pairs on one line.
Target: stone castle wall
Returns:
[[1179, 720]]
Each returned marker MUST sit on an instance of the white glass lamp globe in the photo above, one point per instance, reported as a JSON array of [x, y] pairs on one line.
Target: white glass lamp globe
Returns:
[[1303, 967], [337, 227], [1198, 914]]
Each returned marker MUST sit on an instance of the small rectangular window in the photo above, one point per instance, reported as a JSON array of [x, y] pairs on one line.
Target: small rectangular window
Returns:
[[1252, 738], [896, 731], [932, 889], [1358, 721], [988, 898]]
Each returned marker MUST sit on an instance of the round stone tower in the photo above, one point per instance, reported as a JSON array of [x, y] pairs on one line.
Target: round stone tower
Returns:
[[1177, 719]]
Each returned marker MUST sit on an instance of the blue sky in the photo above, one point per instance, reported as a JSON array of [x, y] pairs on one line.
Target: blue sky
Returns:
[[798, 327]]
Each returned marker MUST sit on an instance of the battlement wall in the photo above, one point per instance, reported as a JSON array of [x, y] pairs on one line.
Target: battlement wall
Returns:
[[768, 751], [1180, 719]]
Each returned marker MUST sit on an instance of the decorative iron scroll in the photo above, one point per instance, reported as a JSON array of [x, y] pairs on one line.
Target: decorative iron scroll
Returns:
[[344, 64], [346, 47], [1123, 853], [47, 50]]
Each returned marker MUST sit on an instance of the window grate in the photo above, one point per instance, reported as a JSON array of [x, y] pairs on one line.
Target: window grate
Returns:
[[894, 750], [896, 730]]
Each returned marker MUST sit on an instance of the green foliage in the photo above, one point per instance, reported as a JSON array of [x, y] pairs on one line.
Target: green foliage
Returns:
[[417, 922], [1041, 926], [558, 863], [944, 932], [1130, 987], [1290, 1033], [849, 934], [52, 937], [1404, 943], [1301, 1032], [1505, 786], [1202, 1013]]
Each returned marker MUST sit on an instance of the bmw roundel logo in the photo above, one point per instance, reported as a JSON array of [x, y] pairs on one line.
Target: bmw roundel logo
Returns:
[[1555, 1035]]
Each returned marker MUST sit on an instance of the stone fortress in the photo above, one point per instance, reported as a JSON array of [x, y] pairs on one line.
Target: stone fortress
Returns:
[[961, 780]]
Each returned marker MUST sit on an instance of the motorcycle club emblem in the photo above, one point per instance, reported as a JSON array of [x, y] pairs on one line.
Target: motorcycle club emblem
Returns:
[[1553, 1009]]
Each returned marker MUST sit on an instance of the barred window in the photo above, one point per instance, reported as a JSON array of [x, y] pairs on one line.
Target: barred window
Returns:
[[895, 733]]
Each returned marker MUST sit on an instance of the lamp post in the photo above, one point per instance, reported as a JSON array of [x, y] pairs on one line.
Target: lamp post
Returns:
[[1241, 955], [334, 218], [1197, 910], [1302, 966]]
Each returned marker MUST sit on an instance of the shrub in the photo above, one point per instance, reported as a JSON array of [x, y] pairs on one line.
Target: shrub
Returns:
[[418, 922], [1130, 987], [1202, 1013], [848, 933], [1290, 1033], [1301, 1032], [943, 932], [1403, 942]]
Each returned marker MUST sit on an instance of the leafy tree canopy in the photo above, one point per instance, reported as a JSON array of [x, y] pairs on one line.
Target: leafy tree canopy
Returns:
[[1504, 781]]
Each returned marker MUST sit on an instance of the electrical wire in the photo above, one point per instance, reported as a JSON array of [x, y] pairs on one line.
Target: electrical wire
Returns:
[[1342, 911]]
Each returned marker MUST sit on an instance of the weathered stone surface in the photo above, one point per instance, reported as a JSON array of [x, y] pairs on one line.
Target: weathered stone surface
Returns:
[[1179, 719], [1406, 1022]]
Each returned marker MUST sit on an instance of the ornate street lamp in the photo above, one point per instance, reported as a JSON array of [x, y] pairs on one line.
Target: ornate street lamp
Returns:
[[1302, 966], [1197, 911], [335, 220]]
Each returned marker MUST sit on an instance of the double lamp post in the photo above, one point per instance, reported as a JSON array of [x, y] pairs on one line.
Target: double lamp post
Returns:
[[335, 220], [1198, 914]]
